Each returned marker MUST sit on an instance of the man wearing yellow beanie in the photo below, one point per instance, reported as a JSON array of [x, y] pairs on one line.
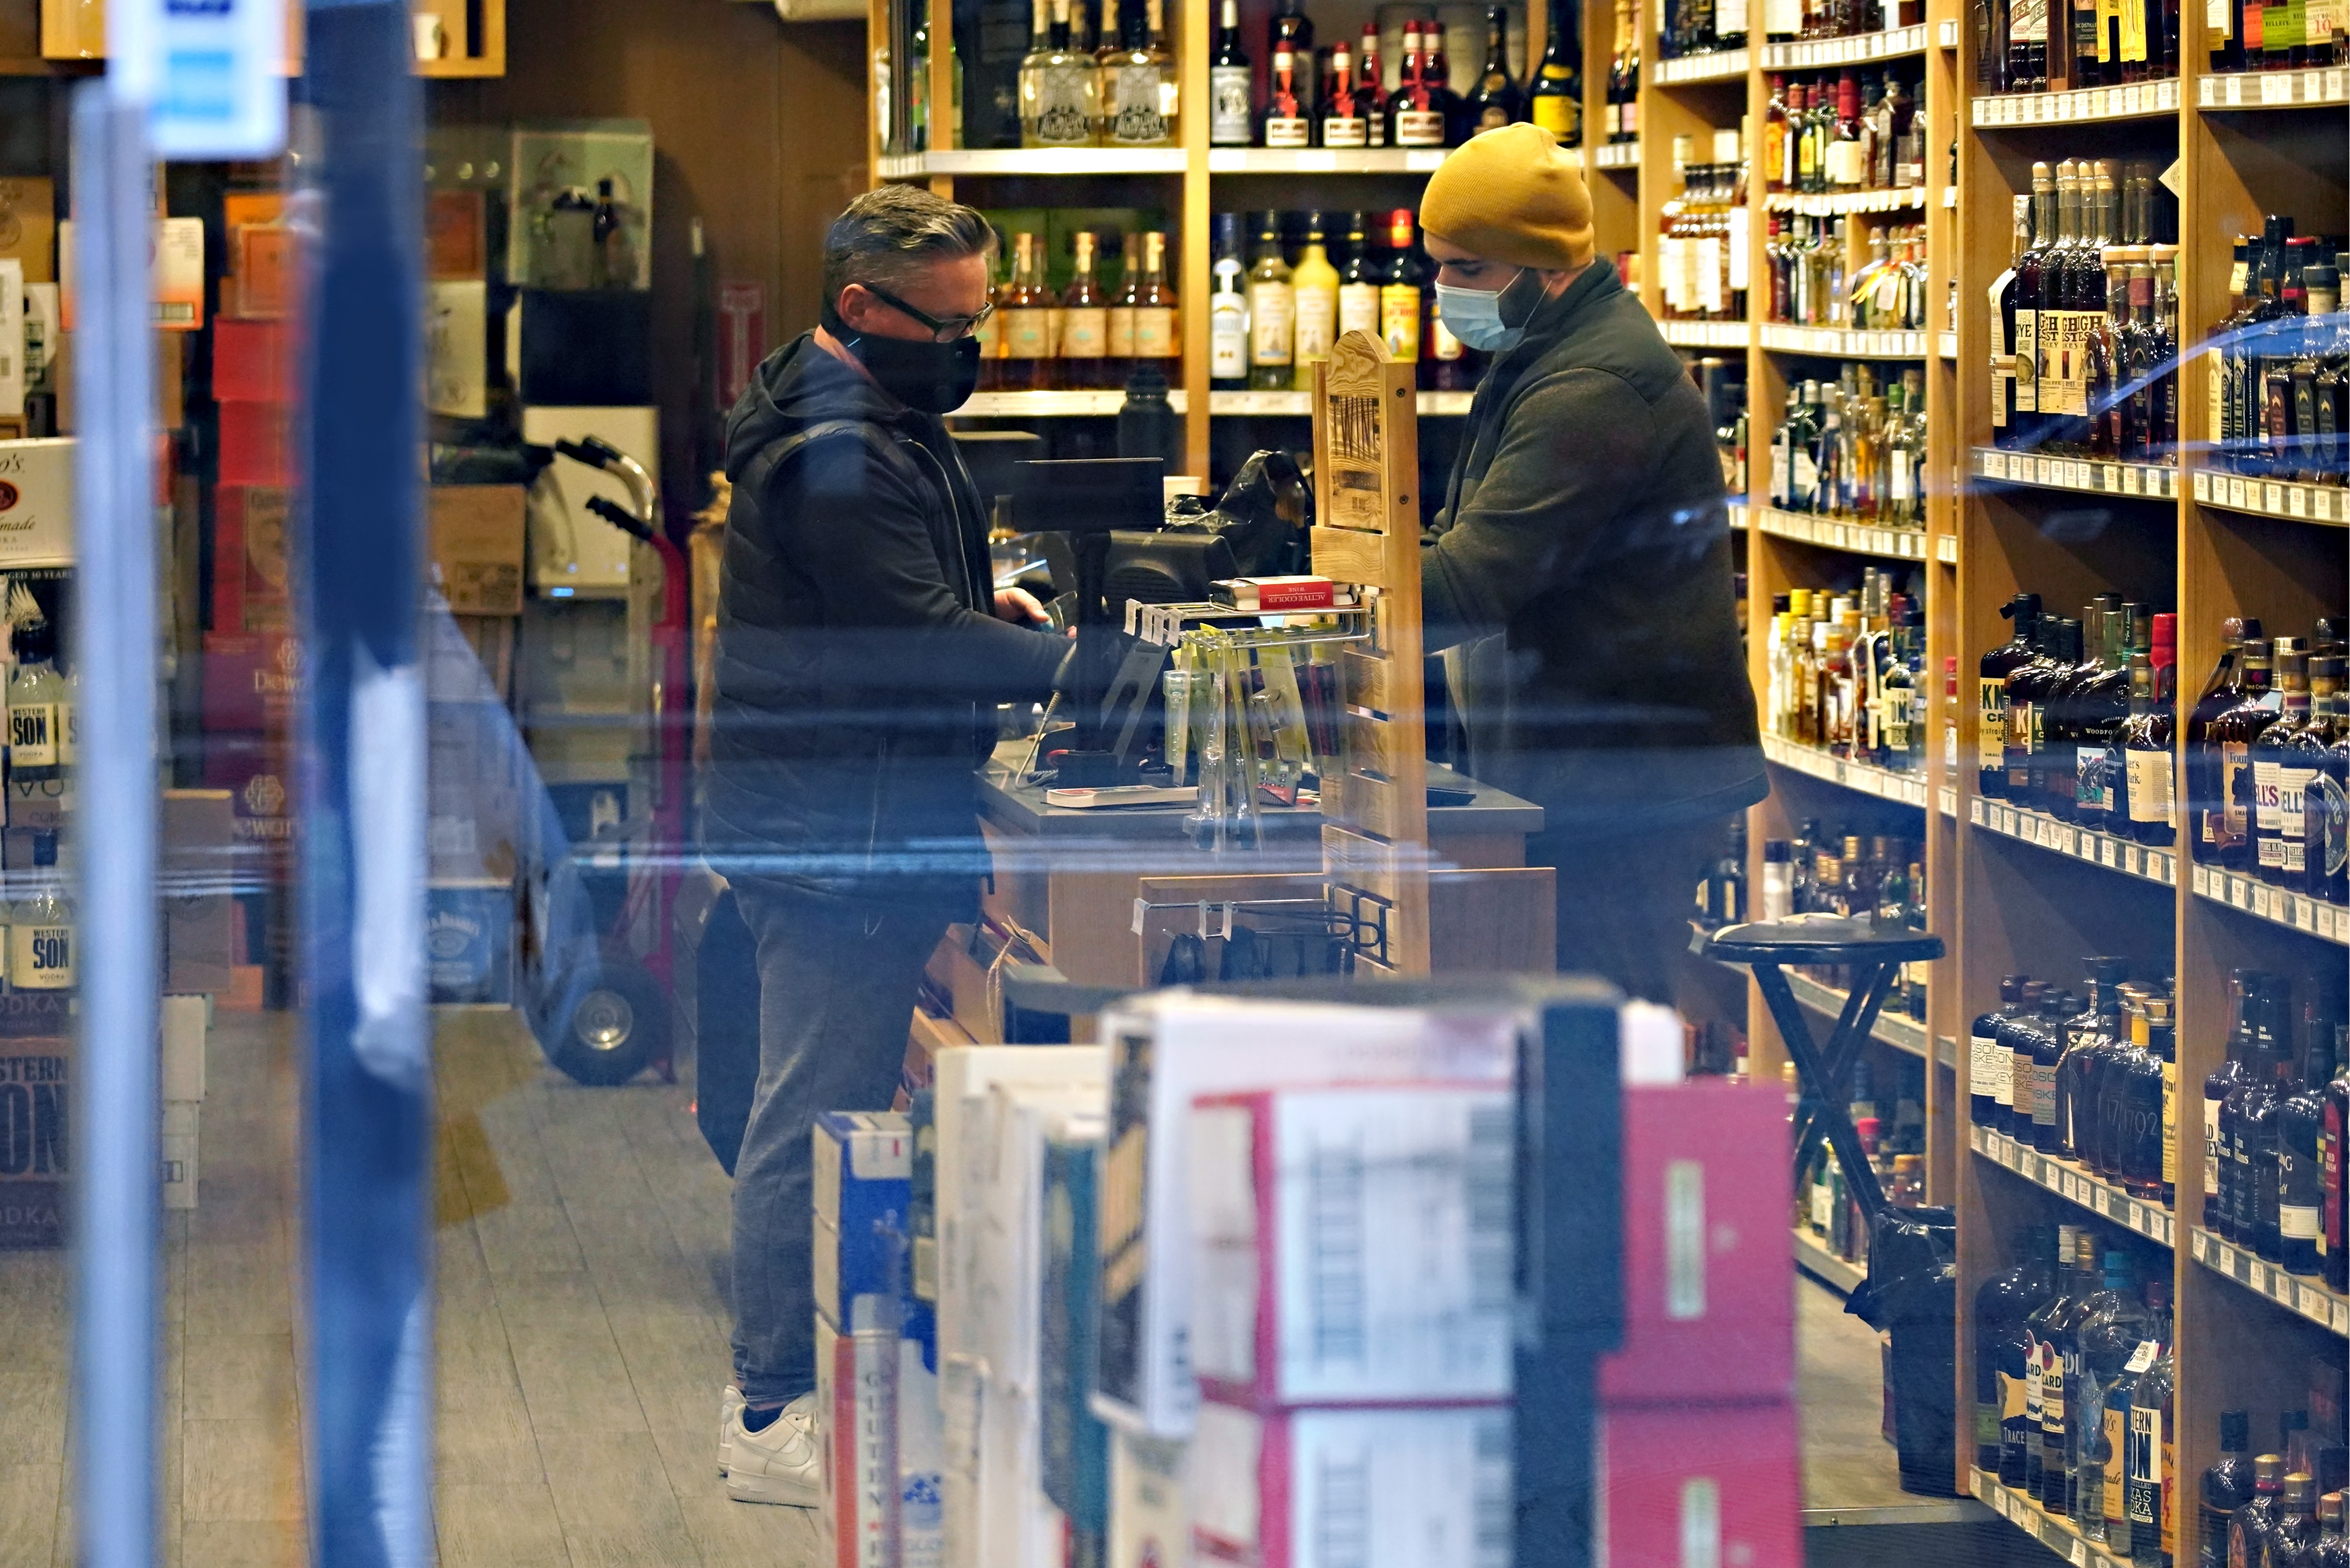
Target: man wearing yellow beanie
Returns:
[[1578, 575]]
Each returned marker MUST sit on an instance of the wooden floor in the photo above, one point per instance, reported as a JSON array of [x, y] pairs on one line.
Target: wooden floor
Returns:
[[582, 1331], [1840, 1394]]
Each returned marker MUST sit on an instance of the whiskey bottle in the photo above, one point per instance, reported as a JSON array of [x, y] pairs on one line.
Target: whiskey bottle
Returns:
[[2248, 1124], [2148, 1499], [1991, 1096], [2005, 432], [2234, 1069], [1231, 112], [1157, 312], [1496, 99], [2333, 1245], [2101, 706], [2059, 1377], [2034, 287], [2313, 774], [2113, 1326], [1272, 312], [2027, 716], [2020, 1455], [2146, 1097], [1992, 709], [1556, 101], [2271, 806], [1060, 86], [1084, 323], [2226, 1486], [1139, 99], [1121, 307], [2250, 1527], [2220, 692], [2300, 1150], [2228, 741], [2003, 1302], [2148, 812]]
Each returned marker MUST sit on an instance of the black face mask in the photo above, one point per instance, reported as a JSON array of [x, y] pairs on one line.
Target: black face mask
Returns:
[[936, 377]]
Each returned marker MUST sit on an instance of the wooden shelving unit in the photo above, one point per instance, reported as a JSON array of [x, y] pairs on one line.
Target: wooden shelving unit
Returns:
[[2012, 891], [73, 39]]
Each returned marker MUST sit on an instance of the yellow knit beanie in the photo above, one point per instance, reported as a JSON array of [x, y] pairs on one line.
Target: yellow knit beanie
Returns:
[[1513, 194]]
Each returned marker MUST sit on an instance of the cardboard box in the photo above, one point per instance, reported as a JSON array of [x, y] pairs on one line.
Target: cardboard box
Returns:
[[12, 338], [184, 1022], [1149, 1514], [856, 1445], [199, 831], [922, 1444], [257, 443], [37, 492], [199, 943], [456, 235], [252, 682], [478, 532], [864, 1166], [256, 772], [1169, 1049], [179, 273], [251, 588], [29, 225], [1076, 1473], [1309, 1290], [35, 1108], [252, 362], [180, 1123], [1736, 1495], [1709, 1286], [1354, 1489]]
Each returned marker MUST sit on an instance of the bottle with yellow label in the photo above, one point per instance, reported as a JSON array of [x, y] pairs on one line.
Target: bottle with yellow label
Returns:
[[1405, 281], [1314, 284]]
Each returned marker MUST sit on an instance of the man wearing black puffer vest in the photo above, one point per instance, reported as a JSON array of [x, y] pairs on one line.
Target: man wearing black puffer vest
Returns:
[[862, 650], [1579, 574]]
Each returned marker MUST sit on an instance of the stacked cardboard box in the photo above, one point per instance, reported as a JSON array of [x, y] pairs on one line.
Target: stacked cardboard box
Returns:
[[186, 1020]]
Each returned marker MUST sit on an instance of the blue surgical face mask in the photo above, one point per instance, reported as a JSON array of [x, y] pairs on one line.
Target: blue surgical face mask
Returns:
[[1479, 318]]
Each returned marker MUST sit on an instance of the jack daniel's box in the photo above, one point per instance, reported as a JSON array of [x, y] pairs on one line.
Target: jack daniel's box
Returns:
[[35, 1096]]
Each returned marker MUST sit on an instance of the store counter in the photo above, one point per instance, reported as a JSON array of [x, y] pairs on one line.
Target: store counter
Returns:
[[1070, 877]]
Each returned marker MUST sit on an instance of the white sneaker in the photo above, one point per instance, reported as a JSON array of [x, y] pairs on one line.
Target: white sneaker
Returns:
[[778, 1463], [730, 1411]]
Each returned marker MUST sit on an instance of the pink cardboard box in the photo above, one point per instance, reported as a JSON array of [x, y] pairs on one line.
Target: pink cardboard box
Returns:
[[1699, 1483], [1709, 1278]]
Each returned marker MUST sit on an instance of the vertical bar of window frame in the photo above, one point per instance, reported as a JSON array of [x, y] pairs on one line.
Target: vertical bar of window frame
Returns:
[[119, 1124], [361, 763]]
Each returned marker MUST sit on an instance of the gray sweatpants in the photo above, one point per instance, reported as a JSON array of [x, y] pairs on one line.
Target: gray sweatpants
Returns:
[[837, 984]]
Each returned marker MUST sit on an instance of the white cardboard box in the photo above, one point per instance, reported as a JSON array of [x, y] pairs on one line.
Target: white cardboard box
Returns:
[[1149, 1517], [37, 491], [180, 1162], [184, 1018], [1168, 1050], [1354, 1245]]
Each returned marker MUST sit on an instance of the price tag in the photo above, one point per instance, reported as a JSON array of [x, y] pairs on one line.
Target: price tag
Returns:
[[2078, 475], [2108, 852], [2276, 88], [2279, 1287], [2320, 502], [2296, 501], [2235, 91], [2272, 498], [2069, 840], [2235, 491], [2333, 87], [2080, 1553], [2202, 485], [1975, 812], [2097, 101], [2129, 481]]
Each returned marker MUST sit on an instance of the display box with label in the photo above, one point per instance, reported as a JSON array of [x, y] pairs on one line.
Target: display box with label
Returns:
[[37, 492], [1076, 1442], [864, 1165], [251, 588], [1354, 1489], [35, 1108], [1353, 1245], [1708, 1282], [1149, 1509], [478, 535], [856, 1433], [1687, 1483], [182, 1149], [29, 225], [469, 940], [1169, 1050]]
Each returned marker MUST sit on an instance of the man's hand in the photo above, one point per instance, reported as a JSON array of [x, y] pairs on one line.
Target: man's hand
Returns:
[[1019, 605]]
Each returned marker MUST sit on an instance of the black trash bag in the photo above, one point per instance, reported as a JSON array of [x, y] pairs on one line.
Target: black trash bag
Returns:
[[1265, 515], [1912, 1291]]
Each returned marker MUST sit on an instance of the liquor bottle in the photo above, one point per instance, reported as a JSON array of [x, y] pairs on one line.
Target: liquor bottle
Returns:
[[2247, 1125], [1292, 26], [1623, 81], [2148, 1500], [2249, 1529], [1359, 277], [1371, 91], [1228, 311], [2113, 1326], [2229, 742], [2044, 1368], [2005, 432], [1060, 86], [2148, 810], [1343, 124], [2060, 1379], [2220, 692], [1997, 666], [1990, 1097], [1137, 81], [2148, 1096], [1121, 307], [1402, 285], [2335, 1219], [1496, 99], [2003, 1303], [2047, 1054], [1084, 323], [2027, 691], [2332, 1549], [2034, 290], [2226, 1486], [1313, 286], [37, 696], [1230, 116], [2300, 1152], [1416, 112], [1288, 117], [1157, 312], [1272, 312], [2027, 47], [2271, 806], [2079, 1037], [1437, 73], [2295, 1531], [41, 955], [2315, 773], [2101, 707], [2234, 1069], [1556, 101]]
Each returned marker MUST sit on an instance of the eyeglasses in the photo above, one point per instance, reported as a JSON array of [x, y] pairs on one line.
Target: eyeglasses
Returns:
[[943, 328]]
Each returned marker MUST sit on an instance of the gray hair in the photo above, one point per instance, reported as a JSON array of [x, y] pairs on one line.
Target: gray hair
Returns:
[[892, 231]]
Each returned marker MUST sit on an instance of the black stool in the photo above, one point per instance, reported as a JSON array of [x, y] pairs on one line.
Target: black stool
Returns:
[[1875, 957]]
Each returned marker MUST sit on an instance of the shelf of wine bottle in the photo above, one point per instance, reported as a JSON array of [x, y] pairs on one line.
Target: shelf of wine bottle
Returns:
[[2136, 100], [2153, 481], [1884, 783], [1301, 404], [2056, 1534], [2274, 89], [977, 160], [1814, 1258], [1829, 204], [1835, 534], [1325, 160], [1843, 342], [1808, 54], [1616, 155], [2141, 861], [1897, 1030], [1721, 67], [1704, 334], [2296, 1294], [2278, 906], [2273, 498], [1053, 405], [2075, 1185]]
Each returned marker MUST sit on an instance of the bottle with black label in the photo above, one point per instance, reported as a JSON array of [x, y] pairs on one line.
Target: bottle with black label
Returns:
[[1231, 117]]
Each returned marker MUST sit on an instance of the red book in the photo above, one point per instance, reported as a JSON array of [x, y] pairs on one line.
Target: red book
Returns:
[[1270, 595]]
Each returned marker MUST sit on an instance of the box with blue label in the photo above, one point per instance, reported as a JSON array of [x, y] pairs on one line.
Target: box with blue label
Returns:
[[864, 1172]]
